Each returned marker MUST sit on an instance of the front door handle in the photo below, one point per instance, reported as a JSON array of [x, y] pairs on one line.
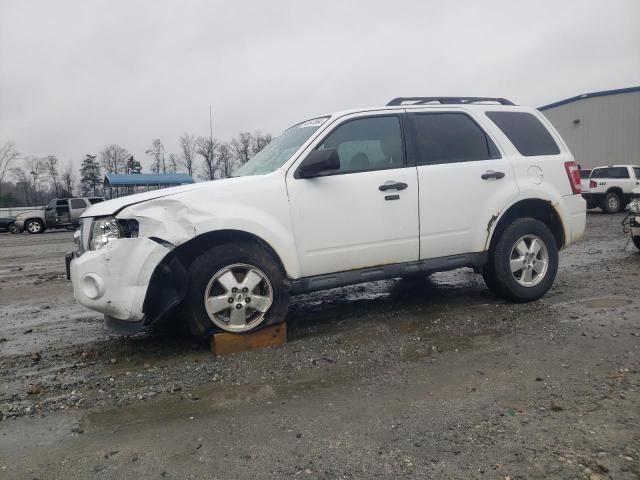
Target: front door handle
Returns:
[[392, 185], [491, 174]]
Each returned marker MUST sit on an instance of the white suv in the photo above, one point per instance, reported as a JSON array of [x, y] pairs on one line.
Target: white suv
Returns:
[[418, 186], [610, 188]]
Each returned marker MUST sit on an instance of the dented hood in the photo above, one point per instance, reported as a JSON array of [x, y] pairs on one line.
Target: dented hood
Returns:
[[111, 207]]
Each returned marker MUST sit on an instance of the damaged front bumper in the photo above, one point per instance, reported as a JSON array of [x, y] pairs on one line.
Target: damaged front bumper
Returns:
[[115, 279]]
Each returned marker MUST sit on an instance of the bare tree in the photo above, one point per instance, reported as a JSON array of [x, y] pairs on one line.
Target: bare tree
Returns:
[[259, 142], [50, 163], [23, 182], [30, 177], [8, 154], [172, 167], [207, 148], [225, 161], [157, 152], [241, 147], [187, 152], [68, 180], [113, 158]]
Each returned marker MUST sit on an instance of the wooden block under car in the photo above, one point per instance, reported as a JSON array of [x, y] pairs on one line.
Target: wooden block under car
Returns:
[[227, 343]]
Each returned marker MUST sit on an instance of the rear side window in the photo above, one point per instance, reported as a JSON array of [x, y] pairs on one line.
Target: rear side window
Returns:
[[526, 132], [78, 203], [450, 138], [611, 172]]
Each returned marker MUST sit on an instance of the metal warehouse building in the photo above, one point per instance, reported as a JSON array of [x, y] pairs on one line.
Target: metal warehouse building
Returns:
[[600, 128]]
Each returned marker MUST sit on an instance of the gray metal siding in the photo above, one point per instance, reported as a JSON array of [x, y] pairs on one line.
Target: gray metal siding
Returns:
[[608, 132]]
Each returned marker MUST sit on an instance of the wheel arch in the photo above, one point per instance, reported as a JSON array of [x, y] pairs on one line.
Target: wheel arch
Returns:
[[616, 190], [168, 284], [537, 208]]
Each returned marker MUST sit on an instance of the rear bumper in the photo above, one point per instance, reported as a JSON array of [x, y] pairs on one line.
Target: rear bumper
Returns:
[[575, 218]]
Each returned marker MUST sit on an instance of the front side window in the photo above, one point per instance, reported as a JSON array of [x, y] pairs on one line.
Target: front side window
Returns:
[[526, 132], [364, 144], [451, 138], [280, 149]]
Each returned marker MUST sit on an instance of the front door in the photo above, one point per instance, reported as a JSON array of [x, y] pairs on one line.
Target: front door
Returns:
[[364, 214], [465, 183]]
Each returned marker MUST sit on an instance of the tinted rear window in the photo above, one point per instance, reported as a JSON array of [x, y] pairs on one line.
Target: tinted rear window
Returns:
[[585, 174], [610, 172], [452, 137], [95, 200], [78, 203], [526, 132], [636, 170]]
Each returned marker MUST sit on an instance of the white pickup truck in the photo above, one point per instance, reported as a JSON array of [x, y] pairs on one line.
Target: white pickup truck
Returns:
[[610, 187]]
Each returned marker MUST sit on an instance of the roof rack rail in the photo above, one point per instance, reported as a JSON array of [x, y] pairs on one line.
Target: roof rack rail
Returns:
[[447, 100]]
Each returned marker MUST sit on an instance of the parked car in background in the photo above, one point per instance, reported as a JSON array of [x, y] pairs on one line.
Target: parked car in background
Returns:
[[584, 180], [8, 224], [418, 186], [610, 187], [59, 213]]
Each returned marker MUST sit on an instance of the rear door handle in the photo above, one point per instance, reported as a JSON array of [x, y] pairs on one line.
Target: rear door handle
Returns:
[[491, 174], [392, 185]]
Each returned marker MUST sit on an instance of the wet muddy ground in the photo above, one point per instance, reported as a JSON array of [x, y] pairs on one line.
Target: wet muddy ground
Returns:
[[435, 378]]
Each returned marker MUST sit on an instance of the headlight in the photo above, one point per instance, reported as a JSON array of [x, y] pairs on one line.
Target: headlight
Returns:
[[107, 229], [634, 207], [19, 216]]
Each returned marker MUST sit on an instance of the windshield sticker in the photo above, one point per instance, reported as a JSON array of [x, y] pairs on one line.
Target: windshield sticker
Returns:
[[316, 122]]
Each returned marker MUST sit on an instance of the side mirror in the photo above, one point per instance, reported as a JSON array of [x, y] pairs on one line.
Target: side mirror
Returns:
[[319, 162]]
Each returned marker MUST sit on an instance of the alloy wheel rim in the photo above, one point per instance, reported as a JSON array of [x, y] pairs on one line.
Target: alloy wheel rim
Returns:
[[529, 261], [238, 297], [34, 227], [613, 203]]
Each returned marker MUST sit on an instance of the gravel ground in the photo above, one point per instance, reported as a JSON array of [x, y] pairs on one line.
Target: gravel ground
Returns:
[[434, 378]]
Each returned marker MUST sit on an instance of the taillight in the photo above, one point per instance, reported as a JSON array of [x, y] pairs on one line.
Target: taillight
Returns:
[[593, 184], [574, 176]]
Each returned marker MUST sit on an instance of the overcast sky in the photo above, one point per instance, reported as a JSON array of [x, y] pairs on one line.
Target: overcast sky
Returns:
[[77, 75]]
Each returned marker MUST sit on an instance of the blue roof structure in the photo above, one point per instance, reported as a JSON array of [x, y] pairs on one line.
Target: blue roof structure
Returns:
[[146, 179], [604, 93]]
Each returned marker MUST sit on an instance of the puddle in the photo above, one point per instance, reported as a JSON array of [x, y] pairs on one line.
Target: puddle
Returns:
[[607, 302]]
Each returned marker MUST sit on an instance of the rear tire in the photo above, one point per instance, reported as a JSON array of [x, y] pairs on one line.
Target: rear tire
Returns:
[[34, 226], [636, 241], [612, 203], [209, 278], [524, 261]]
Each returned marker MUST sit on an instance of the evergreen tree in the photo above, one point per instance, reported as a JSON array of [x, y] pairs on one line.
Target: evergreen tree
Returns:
[[90, 174], [133, 166]]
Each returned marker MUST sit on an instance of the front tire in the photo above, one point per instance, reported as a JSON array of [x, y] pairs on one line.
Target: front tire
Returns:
[[612, 203], [524, 261], [236, 288], [34, 226]]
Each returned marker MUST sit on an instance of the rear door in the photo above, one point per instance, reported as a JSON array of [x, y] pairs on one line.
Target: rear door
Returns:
[[464, 182]]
